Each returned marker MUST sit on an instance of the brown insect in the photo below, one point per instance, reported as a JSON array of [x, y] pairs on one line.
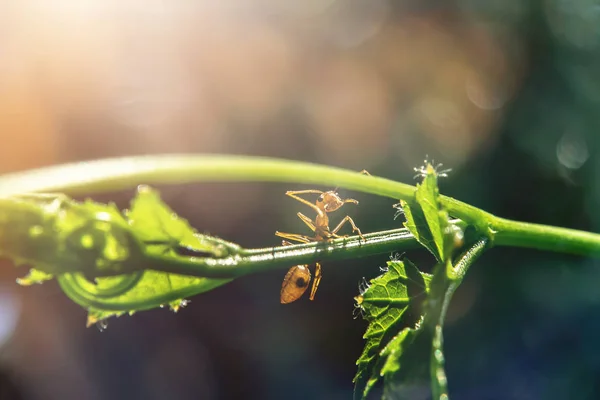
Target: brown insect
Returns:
[[297, 279]]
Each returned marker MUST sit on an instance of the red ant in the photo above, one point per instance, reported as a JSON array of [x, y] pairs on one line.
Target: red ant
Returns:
[[297, 279]]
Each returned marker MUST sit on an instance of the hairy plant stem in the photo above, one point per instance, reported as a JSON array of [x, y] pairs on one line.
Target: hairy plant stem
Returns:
[[246, 261], [119, 173]]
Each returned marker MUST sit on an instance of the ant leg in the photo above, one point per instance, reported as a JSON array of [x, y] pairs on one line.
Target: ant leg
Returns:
[[308, 191], [316, 281], [353, 201], [293, 193], [309, 222], [350, 201], [286, 243], [354, 227], [294, 236]]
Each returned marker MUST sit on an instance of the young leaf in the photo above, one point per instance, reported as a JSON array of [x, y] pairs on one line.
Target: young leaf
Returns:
[[390, 303], [115, 296], [424, 219], [163, 232], [79, 241], [55, 234]]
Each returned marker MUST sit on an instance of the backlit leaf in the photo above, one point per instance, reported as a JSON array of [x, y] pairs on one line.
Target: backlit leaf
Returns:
[[391, 303], [404, 338], [157, 226], [98, 253], [424, 218]]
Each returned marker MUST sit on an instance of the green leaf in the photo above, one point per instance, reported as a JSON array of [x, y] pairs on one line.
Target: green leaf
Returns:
[[404, 351], [408, 355], [55, 234], [424, 218], [415, 348], [161, 229], [115, 296], [391, 302], [405, 369], [99, 255], [163, 232]]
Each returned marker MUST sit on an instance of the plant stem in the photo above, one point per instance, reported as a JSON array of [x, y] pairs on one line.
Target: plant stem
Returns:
[[544, 237], [247, 261], [120, 173]]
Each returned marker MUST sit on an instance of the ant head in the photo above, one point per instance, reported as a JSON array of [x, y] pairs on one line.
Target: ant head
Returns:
[[329, 201]]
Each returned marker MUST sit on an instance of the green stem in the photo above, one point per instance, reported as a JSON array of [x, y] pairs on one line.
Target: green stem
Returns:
[[246, 261], [544, 237], [119, 173], [122, 173], [467, 259], [438, 376]]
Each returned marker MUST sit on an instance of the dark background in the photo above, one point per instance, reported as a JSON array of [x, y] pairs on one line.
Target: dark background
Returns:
[[505, 92]]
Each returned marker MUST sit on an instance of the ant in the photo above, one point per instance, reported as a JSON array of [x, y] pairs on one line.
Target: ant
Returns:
[[298, 277]]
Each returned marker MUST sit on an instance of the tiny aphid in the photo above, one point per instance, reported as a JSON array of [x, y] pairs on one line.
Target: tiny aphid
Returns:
[[298, 277]]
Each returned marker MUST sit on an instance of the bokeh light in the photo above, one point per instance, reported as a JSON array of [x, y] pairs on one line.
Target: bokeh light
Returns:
[[506, 93]]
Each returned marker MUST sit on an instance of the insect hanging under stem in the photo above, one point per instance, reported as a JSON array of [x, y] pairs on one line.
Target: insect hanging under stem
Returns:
[[297, 279]]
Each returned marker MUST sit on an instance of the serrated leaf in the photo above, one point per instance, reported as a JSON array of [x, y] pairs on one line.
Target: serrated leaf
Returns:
[[77, 241], [409, 356], [391, 303], [152, 222], [55, 234], [416, 223], [414, 359], [405, 370], [424, 218]]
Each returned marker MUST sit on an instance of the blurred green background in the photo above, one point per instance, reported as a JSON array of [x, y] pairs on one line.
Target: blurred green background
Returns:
[[504, 92]]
